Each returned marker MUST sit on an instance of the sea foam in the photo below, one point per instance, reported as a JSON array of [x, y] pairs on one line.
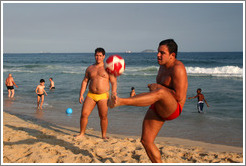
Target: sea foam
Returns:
[[223, 71]]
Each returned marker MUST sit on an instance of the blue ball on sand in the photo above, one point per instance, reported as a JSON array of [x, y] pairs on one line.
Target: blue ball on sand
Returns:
[[69, 111]]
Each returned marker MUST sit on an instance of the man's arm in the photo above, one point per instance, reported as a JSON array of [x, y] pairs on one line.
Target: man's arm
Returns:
[[206, 102], [179, 79], [15, 84], [83, 86], [155, 86], [193, 97], [113, 81], [45, 92], [180, 82], [36, 90]]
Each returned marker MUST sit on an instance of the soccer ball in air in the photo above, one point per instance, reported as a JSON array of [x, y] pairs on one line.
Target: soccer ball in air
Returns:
[[115, 65]]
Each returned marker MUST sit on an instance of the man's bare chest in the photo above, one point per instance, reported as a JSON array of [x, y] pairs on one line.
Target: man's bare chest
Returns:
[[98, 73], [164, 78]]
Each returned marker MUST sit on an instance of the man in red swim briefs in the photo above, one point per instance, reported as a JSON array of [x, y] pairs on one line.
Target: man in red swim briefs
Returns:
[[167, 96]]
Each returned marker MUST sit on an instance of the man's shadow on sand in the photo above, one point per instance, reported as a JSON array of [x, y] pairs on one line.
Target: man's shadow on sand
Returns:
[[42, 137], [47, 125]]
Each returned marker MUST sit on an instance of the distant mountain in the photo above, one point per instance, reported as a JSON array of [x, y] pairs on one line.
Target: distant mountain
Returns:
[[148, 51]]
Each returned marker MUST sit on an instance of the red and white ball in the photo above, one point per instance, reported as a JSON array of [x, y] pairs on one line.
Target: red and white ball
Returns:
[[115, 65]]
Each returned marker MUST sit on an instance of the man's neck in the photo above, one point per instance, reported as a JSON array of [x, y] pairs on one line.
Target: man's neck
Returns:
[[170, 64], [99, 64]]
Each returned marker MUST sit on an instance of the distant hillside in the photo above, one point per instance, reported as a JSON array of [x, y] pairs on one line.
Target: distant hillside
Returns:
[[148, 51]]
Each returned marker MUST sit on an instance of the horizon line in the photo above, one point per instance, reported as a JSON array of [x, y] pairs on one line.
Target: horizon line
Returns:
[[126, 52]]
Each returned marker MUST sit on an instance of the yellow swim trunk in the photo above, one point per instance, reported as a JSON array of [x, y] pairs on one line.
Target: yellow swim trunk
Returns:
[[97, 97]]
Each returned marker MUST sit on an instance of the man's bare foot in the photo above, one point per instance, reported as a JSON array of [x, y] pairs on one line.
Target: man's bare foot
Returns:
[[113, 101], [79, 136], [105, 137]]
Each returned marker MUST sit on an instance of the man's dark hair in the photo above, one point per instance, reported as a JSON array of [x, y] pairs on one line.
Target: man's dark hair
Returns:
[[42, 80], [171, 44], [100, 50], [133, 88]]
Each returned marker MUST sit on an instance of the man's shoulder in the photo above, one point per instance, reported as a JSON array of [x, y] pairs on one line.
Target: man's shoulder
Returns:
[[178, 65], [89, 68], [178, 62], [93, 66], [179, 70]]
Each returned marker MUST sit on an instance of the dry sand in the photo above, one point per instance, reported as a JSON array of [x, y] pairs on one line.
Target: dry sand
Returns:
[[35, 141]]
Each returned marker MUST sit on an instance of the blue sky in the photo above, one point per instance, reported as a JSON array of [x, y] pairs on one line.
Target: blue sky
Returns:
[[118, 27]]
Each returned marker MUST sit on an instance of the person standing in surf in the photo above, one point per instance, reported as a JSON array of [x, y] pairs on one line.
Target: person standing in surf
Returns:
[[40, 94], [200, 102], [10, 83]]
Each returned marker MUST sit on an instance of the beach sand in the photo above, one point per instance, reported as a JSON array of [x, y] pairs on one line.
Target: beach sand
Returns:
[[29, 140]]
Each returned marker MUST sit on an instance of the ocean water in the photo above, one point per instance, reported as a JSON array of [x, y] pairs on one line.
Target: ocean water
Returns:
[[218, 74]]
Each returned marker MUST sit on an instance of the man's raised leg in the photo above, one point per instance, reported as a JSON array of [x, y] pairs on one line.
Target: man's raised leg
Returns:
[[164, 101]]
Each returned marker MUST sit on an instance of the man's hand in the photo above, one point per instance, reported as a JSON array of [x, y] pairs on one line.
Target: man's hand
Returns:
[[81, 99], [153, 86], [114, 93]]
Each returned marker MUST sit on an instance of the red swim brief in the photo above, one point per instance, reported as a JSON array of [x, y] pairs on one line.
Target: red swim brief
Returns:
[[174, 115]]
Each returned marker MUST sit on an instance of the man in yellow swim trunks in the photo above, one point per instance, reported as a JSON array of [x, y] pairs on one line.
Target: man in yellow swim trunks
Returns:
[[99, 87]]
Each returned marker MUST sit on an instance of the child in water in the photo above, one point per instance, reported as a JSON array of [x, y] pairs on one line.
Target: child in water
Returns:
[[40, 92], [200, 98]]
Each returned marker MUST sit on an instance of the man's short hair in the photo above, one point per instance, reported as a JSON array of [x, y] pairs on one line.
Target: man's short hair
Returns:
[[42, 80], [171, 44], [100, 50]]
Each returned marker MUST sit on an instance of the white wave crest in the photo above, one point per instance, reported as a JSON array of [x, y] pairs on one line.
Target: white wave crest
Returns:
[[141, 71], [224, 71], [47, 68]]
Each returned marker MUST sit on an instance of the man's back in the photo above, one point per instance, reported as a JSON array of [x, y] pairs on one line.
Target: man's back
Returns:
[[9, 81], [200, 97]]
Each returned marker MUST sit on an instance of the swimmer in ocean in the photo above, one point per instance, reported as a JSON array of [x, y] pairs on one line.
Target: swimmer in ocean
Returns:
[[52, 84], [132, 93]]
